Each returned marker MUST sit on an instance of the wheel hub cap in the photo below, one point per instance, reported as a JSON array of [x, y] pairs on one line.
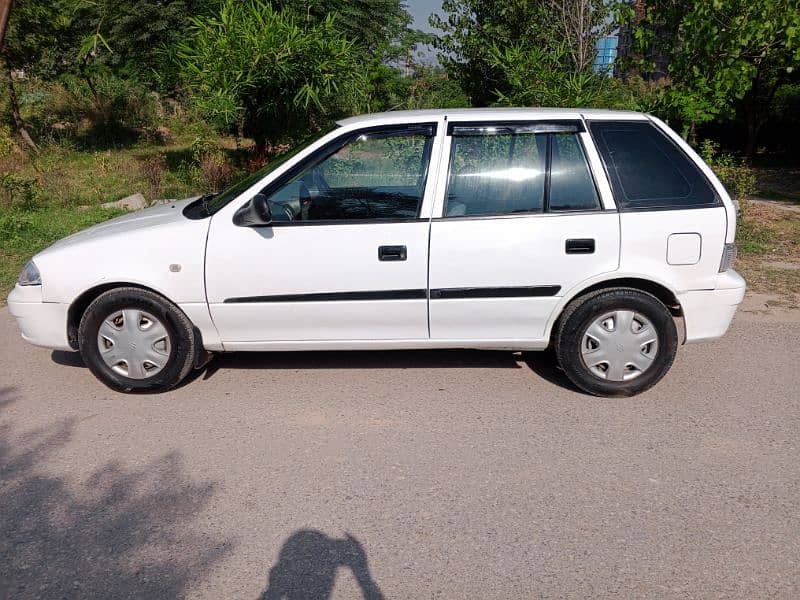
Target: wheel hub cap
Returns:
[[619, 346], [133, 343]]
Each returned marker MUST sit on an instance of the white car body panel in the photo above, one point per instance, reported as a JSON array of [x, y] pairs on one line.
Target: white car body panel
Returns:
[[524, 251], [645, 239], [137, 248], [274, 261], [199, 264]]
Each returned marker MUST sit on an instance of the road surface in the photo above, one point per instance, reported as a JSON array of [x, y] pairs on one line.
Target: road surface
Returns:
[[405, 475]]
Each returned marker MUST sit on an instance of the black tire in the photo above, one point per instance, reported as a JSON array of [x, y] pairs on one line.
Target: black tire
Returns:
[[582, 312], [182, 341]]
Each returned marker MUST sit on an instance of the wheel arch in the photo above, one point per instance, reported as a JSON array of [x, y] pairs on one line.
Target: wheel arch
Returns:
[[85, 298], [658, 289]]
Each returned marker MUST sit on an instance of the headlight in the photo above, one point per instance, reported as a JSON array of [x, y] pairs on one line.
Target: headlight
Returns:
[[30, 275]]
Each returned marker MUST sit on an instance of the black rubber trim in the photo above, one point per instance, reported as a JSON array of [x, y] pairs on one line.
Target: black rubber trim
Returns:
[[535, 291], [321, 222], [420, 294], [526, 215]]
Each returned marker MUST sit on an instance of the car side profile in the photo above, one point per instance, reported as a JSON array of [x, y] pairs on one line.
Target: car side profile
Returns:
[[597, 233]]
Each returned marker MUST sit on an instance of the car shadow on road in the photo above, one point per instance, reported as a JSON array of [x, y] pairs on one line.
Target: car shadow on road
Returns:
[[307, 566], [120, 533], [543, 363]]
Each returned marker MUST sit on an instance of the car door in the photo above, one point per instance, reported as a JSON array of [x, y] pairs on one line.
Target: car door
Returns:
[[521, 223], [346, 255]]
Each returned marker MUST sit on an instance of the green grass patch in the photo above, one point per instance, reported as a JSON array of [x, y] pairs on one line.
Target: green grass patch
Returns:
[[753, 238]]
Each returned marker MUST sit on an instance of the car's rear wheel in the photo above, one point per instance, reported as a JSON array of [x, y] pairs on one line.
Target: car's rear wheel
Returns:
[[616, 342], [134, 340]]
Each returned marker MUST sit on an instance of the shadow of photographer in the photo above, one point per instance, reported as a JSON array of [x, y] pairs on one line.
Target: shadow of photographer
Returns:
[[307, 565]]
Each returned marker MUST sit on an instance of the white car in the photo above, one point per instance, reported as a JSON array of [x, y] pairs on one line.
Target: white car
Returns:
[[583, 230]]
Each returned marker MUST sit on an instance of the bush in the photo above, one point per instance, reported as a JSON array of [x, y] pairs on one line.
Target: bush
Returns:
[[215, 172], [736, 176], [154, 171], [7, 145], [17, 189]]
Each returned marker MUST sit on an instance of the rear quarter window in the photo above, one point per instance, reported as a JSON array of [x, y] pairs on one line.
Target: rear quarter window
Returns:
[[647, 170]]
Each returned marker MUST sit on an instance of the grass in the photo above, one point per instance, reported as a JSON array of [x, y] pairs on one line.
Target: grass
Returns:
[[768, 238]]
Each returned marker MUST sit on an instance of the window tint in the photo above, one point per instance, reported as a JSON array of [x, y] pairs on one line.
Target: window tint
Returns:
[[496, 174], [646, 169], [571, 185], [374, 176]]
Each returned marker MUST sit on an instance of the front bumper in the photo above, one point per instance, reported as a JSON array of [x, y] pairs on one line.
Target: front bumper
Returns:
[[707, 314], [41, 323]]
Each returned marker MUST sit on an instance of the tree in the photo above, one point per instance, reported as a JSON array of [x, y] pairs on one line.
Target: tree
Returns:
[[583, 23], [517, 50], [722, 53], [129, 37], [370, 22], [31, 45], [258, 70], [5, 9], [471, 28]]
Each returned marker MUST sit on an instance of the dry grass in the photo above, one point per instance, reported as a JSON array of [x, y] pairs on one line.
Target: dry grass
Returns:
[[769, 242]]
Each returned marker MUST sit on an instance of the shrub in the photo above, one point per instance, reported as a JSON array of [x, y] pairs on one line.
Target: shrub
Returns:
[[736, 176], [7, 145], [154, 170], [201, 146], [215, 172], [17, 189]]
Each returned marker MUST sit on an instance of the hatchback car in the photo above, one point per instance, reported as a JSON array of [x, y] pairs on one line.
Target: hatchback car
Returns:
[[601, 234]]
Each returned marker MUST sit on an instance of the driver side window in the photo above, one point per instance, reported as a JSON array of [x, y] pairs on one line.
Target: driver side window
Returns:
[[376, 175]]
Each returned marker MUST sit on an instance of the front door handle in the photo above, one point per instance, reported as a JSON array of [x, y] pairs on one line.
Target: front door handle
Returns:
[[392, 253], [580, 246]]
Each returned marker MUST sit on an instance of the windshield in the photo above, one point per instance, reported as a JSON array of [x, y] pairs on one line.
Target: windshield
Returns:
[[209, 204]]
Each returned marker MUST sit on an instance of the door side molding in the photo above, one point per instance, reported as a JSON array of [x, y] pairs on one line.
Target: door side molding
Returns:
[[536, 291]]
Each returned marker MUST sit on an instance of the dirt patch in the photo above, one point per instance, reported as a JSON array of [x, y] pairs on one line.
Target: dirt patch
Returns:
[[766, 307], [782, 265]]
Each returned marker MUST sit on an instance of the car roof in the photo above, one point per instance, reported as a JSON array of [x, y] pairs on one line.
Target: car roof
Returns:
[[489, 114]]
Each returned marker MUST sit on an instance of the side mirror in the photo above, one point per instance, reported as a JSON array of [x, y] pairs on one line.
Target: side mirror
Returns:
[[255, 213]]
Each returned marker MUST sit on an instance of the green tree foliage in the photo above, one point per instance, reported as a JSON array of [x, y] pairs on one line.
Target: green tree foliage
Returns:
[[723, 54], [128, 37], [33, 40], [384, 34], [534, 52], [258, 69], [471, 29], [371, 22]]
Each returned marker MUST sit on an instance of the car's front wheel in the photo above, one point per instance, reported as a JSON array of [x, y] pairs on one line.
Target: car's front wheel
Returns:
[[134, 340], [616, 342]]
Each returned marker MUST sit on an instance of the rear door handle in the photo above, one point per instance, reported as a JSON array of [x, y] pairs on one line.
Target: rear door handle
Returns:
[[392, 253], [580, 246]]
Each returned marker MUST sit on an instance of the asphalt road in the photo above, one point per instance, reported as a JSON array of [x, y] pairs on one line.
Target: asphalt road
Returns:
[[404, 475]]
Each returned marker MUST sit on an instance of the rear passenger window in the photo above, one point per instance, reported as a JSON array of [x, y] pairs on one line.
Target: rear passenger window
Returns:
[[571, 184], [503, 169], [647, 170], [495, 174]]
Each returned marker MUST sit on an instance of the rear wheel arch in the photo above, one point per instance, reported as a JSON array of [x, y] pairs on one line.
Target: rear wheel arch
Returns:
[[659, 290]]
